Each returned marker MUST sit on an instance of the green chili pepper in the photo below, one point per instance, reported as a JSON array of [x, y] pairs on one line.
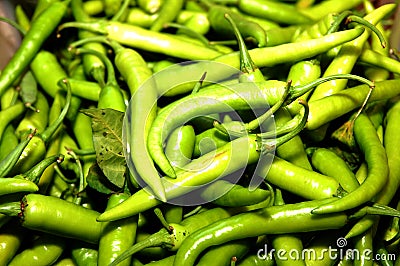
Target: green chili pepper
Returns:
[[217, 165], [9, 114], [273, 10], [139, 17], [380, 61], [216, 17], [36, 148], [326, 109], [282, 53], [238, 97], [84, 253], [116, 236], [145, 39], [197, 21], [172, 237], [41, 28], [375, 156], [321, 9], [255, 260], [110, 94], [364, 245], [11, 238], [221, 163], [329, 163], [179, 146], [209, 140], [57, 217], [14, 185], [150, 6], [223, 254], [49, 72], [224, 193], [348, 55], [128, 60], [169, 10], [318, 246], [11, 159], [8, 142], [293, 150], [93, 65], [35, 119], [44, 251], [271, 220], [287, 242], [393, 182]]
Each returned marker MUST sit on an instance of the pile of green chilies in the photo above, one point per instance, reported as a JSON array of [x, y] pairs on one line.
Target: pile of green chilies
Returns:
[[201, 132]]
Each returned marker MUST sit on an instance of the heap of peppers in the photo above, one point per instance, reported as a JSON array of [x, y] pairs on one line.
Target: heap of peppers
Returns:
[[201, 132]]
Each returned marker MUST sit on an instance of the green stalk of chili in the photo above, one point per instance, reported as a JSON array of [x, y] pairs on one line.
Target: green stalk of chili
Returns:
[[377, 73], [375, 156], [40, 30]]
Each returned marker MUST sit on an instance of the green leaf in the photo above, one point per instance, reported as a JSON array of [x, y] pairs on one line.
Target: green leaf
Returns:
[[98, 181], [107, 139], [28, 89]]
